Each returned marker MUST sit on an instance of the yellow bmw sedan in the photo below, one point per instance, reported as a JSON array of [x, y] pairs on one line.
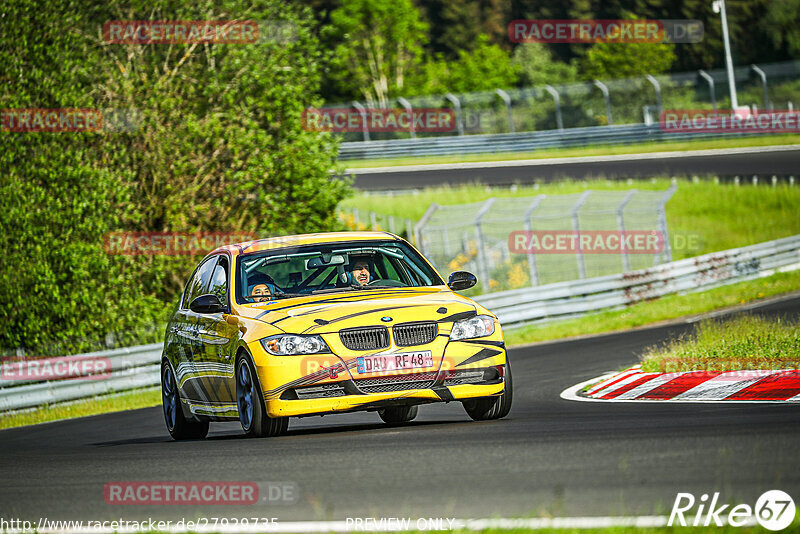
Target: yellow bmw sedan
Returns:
[[326, 323]]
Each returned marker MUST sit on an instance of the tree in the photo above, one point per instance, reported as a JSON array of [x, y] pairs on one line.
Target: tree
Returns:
[[220, 148], [379, 43], [536, 66], [625, 60]]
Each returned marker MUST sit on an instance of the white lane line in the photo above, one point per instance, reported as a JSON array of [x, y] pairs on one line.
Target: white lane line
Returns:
[[724, 385], [577, 159], [384, 524]]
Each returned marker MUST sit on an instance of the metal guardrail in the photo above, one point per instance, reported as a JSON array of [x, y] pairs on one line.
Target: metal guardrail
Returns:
[[578, 297], [138, 367], [131, 368], [517, 142]]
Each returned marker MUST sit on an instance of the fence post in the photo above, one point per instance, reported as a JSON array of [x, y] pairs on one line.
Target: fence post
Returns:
[[507, 101], [761, 74], [626, 260], [407, 105], [528, 228], [421, 224], [604, 89], [363, 112], [453, 99], [666, 251], [557, 98], [373, 220], [483, 261], [391, 224], [410, 232], [576, 228], [707, 77], [657, 87]]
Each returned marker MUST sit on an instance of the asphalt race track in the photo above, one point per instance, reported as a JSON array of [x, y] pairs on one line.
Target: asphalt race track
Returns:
[[550, 456], [750, 162]]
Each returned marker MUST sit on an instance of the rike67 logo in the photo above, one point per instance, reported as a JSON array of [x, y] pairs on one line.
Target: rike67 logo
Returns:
[[774, 510]]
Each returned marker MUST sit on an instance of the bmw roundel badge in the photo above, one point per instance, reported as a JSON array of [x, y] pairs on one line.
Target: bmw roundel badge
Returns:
[[386, 319]]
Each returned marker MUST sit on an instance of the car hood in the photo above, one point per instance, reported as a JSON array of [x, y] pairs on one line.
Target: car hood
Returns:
[[332, 312]]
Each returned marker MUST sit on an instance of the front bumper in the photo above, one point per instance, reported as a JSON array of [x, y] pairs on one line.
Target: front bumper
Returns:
[[286, 379]]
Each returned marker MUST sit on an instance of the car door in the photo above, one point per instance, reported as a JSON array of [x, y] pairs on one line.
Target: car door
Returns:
[[219, 338], [189, 350]]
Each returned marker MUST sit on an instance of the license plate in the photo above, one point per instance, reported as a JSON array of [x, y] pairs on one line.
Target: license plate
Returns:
[[383, 363]]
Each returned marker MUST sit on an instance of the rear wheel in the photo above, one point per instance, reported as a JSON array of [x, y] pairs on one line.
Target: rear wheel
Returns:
[[179, 427], [486, 408], [252, 414], [398, 414]]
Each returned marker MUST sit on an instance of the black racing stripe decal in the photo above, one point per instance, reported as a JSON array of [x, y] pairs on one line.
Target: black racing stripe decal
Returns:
[[443, 393], [501, 344], [480, 355], [457, 317], [310, 379]]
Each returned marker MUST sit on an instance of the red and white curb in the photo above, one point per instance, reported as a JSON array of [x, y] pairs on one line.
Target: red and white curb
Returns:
[[633, 385]]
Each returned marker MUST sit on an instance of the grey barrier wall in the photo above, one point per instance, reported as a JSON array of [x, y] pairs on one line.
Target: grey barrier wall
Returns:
[[137, 367]]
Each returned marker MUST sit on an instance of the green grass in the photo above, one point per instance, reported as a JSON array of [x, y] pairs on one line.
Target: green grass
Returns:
[[132, 400], [596, 150], [654, 311], [747, 342], [718, 216]]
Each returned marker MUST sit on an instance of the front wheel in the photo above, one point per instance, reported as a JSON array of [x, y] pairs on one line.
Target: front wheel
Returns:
[[398, 414], [252, 413], [178, 426], [486, 408]]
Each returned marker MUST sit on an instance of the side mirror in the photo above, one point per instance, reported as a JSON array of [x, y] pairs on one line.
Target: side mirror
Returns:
[[207, 303], [460, 280]]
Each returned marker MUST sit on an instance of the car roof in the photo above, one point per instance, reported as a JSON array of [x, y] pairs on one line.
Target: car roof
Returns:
[[272, 243]]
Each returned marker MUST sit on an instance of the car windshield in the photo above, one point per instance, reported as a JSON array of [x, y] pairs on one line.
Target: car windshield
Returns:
[[331, 268]]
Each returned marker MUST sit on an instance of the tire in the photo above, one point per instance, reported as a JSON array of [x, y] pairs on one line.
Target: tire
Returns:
[[178, 426], [250, 402], [398, 414], [487, 408]]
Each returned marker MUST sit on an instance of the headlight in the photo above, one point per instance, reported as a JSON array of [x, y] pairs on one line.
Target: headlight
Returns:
[[289, 344], [478, 326]]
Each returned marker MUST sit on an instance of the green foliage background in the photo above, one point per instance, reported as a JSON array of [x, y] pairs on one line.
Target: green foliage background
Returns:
[[220, 148]]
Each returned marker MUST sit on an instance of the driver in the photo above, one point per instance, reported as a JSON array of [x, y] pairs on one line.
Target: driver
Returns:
[[261, 289], [359, 271], [262, 285]]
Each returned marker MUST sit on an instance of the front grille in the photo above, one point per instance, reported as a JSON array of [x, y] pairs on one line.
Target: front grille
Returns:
[[385, 384], [409, 334], [376, 337]]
